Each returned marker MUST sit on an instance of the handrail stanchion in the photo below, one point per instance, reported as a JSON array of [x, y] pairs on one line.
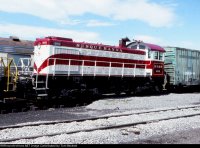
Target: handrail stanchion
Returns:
[[134, 69], [123, 70], [83, 62], [36, 82], [54, 65], [109, 69], [47, 77], [69, 67], [95, 64]]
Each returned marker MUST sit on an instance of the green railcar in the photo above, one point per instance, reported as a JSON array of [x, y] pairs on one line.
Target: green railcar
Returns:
[[182, 66]]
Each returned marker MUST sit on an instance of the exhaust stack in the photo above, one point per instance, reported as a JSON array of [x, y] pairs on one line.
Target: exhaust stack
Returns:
[[122, 42]]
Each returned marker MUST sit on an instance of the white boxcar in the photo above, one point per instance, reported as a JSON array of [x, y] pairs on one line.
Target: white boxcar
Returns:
[[183, 66]]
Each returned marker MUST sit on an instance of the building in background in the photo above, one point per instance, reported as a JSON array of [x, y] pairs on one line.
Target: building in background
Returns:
[[15, 48]]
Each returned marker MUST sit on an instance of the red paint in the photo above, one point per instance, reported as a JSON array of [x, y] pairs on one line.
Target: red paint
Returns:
[[157, 68], [71, 43], [155, 47]]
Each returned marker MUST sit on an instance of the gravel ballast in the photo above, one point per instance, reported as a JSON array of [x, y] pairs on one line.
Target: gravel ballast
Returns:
[[158, 132]]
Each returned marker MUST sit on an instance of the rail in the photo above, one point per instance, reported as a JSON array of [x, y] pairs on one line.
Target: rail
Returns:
[[177, 114]]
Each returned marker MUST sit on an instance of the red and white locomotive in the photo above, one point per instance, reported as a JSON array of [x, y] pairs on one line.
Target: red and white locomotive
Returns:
[[64, 68]]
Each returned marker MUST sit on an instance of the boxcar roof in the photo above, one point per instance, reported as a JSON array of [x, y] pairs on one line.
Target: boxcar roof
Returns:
[[15, 42], [15, 45]]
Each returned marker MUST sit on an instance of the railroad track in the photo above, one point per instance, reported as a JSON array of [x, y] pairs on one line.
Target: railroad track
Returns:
[[19, 105], [34, 105], [196, 113]]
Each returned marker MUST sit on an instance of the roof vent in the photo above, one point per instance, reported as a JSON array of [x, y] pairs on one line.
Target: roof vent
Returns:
[[15, 38]]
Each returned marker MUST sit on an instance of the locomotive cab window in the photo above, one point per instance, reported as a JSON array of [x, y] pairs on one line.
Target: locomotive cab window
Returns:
[[134, 47], [142, 47], [157, 55], [149, 53], [161, 56]]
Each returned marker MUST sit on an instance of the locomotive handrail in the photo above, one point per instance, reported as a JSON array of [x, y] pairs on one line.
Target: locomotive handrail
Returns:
[[83, 64], [98, 61], [24, 69], [95, 62]]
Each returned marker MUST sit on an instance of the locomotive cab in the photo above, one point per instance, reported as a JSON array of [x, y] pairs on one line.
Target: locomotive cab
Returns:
[[154, 56], [153, 52]]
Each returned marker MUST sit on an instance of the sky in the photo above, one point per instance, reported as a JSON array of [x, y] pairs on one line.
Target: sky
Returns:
[[162, 22]]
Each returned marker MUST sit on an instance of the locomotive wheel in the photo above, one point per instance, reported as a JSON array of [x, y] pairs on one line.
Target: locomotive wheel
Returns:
[[118, 92], [128, 93], [158, 89]]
